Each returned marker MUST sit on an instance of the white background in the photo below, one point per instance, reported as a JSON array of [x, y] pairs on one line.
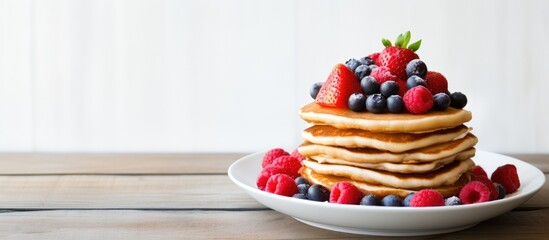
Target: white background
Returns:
[[201, 76]]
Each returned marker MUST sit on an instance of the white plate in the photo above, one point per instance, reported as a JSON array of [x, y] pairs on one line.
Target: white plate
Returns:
[[391, 221]]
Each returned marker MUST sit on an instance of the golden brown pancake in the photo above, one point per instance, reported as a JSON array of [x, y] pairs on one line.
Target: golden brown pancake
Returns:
[[385, 122], [372, 155], [379, 190], [446, 175], [399, 167], [393, 142]]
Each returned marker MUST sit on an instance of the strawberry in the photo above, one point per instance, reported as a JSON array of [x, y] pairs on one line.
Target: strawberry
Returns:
[[374, 57], [341, 83], [436, 82], [397, 57]]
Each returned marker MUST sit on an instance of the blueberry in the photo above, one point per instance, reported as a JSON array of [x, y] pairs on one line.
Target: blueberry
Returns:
[[501, 190], [352, 64], [388, 88], [369, 85], [370, 200], [391, 201], [362, 71], [372, 66], [300, 196], [301, 180], [366, 61], [441, 101], [415, 81], [458, 100], [303, 188], [318, 193], [376, 103], [416, 67], [452, 201], [357, 102], [395, 104], [407, 199], [313, 91]]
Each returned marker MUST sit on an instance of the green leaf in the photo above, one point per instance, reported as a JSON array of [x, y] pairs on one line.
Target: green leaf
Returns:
[[399, 40], [407, 37], [415, 46], [386, 42]]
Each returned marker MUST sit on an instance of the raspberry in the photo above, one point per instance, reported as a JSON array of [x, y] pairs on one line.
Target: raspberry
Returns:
[[418, 100], [436, 82], [265, 174], [507, 176], [272, 155], [479, 171], [290, 165], [297, 155], [474, 192], [345, 193], [281, 184], [486, 181], [382, 74], [427, 198]]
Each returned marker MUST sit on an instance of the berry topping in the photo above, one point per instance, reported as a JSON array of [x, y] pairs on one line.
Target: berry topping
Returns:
[[436, 82], [345, 193], [388, 88], [427, 198], [382, 74], [362, 71], [352, 64], [407, 199], [300, 196], [416, 67], [452, 201], [297, 155], [458, 100], [335, 92], [397, 57], [441, 101], [474, 192], [290, 165], [370, 200], [415, 81], [418, 100], [272, 155], [507, 176], [486, 181], [265, 174], [374, 57], [501, 190], [369, 85], [478, 171], [366, 61], [318, 193], [391, 201], [376, 103], [313, 91], [301, 180], [395, 104], [357, 102], [281, 184]]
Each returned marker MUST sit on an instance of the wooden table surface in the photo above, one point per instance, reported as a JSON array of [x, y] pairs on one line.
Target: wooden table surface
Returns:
[[178, 196]]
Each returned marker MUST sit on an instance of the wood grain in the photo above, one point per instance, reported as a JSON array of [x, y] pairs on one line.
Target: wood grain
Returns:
[[104, 224]]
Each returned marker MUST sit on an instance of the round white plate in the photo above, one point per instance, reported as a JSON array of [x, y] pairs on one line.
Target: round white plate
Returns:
[[391, 221]]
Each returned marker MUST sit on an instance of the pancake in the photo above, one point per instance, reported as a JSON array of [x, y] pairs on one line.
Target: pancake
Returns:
[[386, 122], [446, 175], [393, 142], [400, 167], [381, 191], [371, 155]]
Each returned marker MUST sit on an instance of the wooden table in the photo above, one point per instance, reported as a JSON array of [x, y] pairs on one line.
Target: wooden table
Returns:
[[172, 196]]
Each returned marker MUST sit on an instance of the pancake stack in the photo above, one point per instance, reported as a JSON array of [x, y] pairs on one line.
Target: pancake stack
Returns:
[[385, 154]]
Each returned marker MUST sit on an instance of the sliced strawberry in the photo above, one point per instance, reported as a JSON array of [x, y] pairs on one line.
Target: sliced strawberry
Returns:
[[341, 83]]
